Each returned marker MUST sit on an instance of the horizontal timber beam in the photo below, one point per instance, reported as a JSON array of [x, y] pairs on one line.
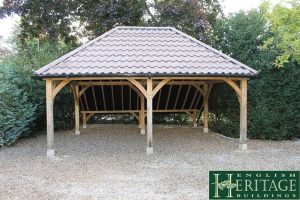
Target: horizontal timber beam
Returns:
[[128, 83], [145, 78], [135, 111]]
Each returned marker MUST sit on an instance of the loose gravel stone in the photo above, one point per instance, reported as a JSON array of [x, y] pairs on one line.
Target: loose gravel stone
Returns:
[[110, 162]]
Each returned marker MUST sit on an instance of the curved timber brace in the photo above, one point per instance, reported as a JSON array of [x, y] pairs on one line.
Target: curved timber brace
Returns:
[[149, 92], [241, 92], [52, 89]]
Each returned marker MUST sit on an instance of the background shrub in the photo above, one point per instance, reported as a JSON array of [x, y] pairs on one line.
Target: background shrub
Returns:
[[16, 113]]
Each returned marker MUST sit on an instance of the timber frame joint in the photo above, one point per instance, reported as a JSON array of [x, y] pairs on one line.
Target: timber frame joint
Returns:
[[58, 87]]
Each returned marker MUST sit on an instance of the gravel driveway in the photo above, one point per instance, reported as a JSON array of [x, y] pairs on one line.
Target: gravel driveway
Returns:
[[109, 162]]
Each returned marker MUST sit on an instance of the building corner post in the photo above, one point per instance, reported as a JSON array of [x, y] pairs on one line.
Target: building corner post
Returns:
[[205, 99], [142, 115], [77, 116], [149, 149], [50, 118], [243, 115]]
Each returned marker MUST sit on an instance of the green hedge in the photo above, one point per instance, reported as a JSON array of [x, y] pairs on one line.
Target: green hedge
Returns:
[[16, 113], [273, 97]]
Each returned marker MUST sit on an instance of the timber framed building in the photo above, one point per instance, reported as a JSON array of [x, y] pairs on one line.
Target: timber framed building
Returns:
[[141, 70]]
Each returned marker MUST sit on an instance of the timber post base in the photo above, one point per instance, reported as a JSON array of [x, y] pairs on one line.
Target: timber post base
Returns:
[[84, 126], [195, 125], [143, 132], [77, 132], [243, 147], [50, 153], [205, 130], [149, 150]]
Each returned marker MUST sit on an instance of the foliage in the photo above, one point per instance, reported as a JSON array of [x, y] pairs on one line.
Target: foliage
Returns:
[[170, 118], [49, 20], [285, 24], [16, 71], [193, 17], [98, 17], [258, 38], [55, 20], [273, 99], [16, 113]]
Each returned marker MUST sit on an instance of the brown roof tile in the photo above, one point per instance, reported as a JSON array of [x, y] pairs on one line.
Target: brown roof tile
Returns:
[[149, 51]]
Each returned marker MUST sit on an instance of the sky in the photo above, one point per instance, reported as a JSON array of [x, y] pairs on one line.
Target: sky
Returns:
[[229, 6]]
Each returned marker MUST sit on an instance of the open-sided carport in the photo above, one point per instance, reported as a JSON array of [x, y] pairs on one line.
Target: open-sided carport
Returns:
[[127, 68]]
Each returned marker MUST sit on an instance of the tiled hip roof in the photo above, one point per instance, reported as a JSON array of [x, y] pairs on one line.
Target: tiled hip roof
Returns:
[[145, 51]]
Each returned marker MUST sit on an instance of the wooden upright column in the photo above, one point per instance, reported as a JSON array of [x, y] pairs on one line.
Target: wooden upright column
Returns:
[[142, 115], [205, 91], [243, 115], [149, 117], [76, 101], [194, 119], [50, 123]]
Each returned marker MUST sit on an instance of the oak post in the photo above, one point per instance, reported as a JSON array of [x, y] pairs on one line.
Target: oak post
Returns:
[[76, 100], [194, 119], [149, 117], [205, 129], [243, 115], [142, 115], [50, 123]]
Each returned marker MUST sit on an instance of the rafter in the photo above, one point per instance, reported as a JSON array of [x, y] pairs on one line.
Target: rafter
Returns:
[[103, 97], [137, 101], [112, 96], [167, 102], [186, 96], [198, 100], [122, 94], [158, 100], [177, 97], [129, 98], [199, 89], [95, 100], [86, 102], [194, 97]]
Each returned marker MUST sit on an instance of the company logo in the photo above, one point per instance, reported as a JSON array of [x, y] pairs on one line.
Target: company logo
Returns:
[[254, 185]]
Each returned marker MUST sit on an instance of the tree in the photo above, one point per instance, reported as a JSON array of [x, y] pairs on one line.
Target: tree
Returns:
[[16, 71], [193, 17], [98, 17], [47, 20], [285, 23], [16, 113], [273, 100], [4, 51], [59, 19], [63, 19]]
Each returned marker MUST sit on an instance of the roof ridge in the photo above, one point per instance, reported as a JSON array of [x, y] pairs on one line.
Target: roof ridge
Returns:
[[71, 53], [145, 27], [214, 50]]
